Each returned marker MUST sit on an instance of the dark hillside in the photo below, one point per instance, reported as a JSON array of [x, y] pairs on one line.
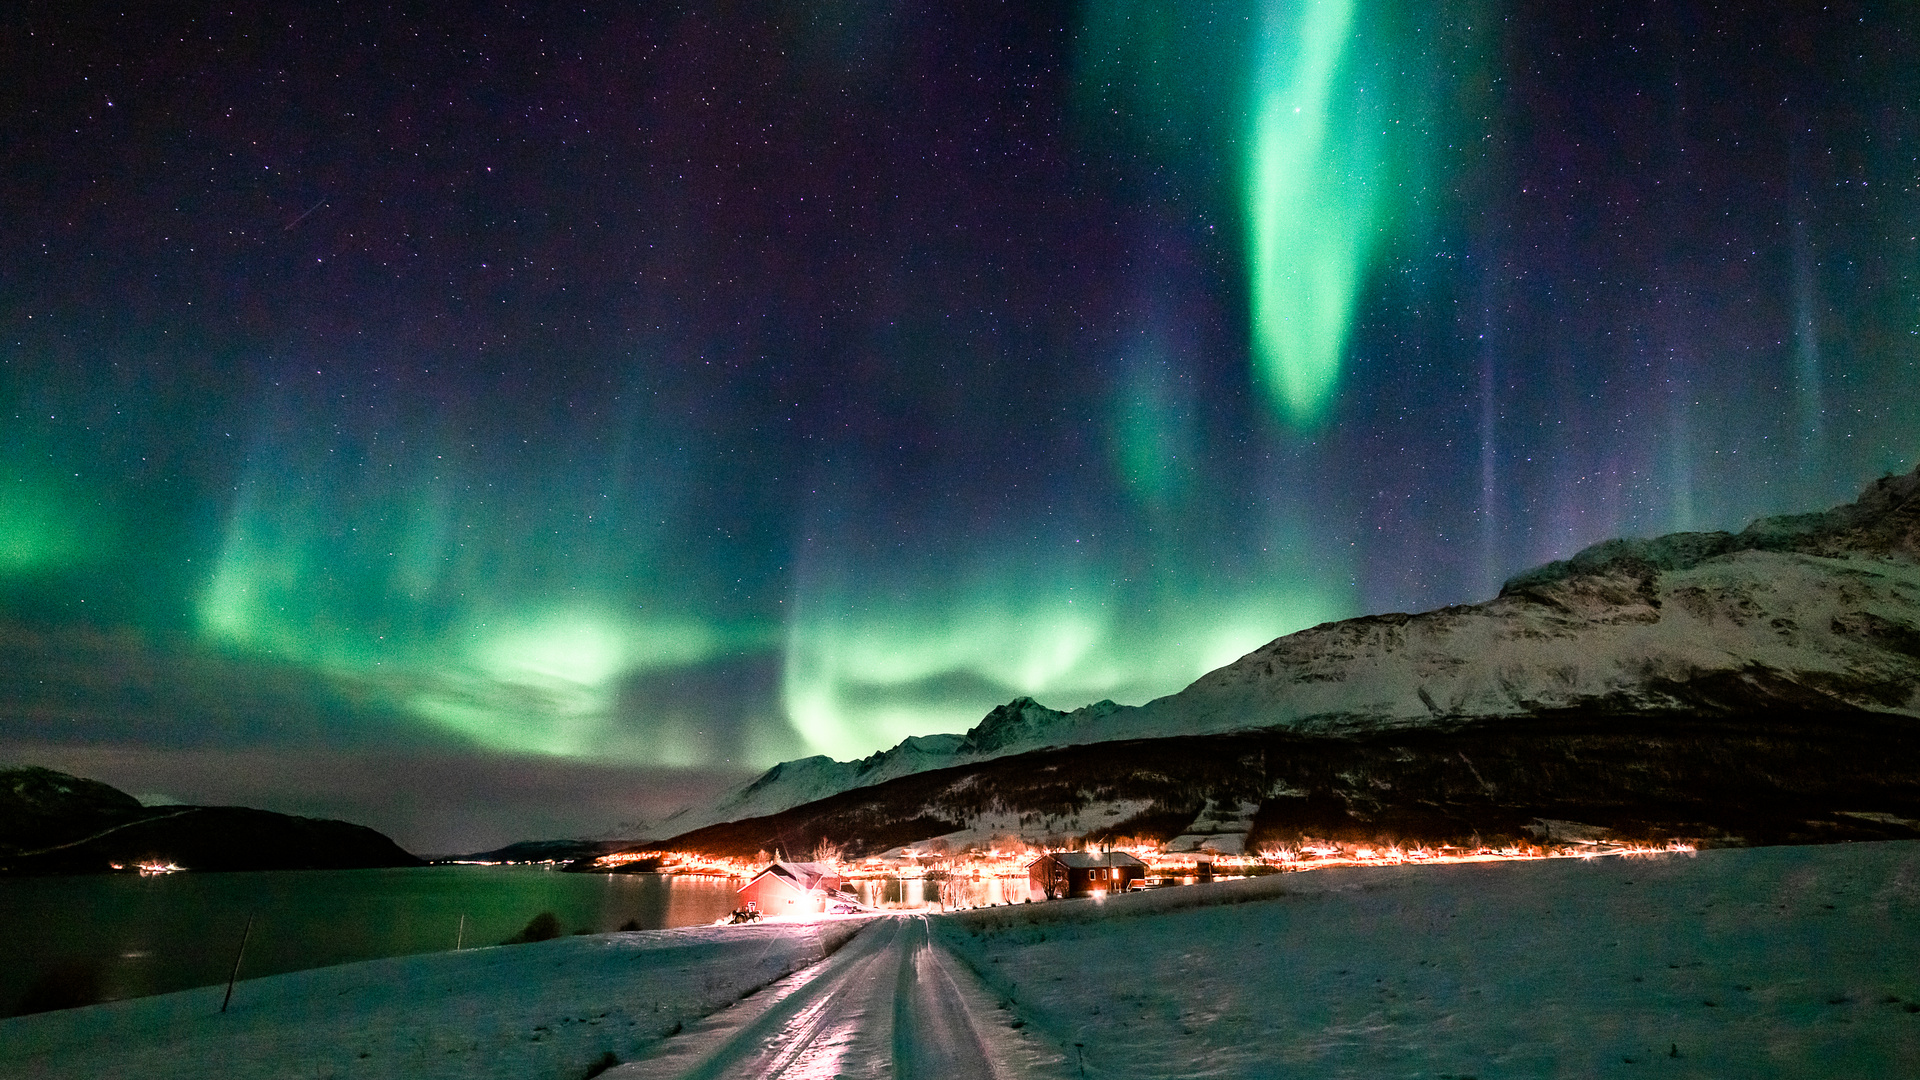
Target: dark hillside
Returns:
[[41, 807], [53, 823], [1729, 779]]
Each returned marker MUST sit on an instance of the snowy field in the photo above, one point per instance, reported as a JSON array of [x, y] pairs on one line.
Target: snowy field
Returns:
[[514, 1012], [1772, 962]]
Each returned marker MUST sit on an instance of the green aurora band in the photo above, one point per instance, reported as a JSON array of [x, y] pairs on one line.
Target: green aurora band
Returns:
[[859, 673], [1314, 176], [411, 601], [390, 578], [1318, 111], [720, 538]]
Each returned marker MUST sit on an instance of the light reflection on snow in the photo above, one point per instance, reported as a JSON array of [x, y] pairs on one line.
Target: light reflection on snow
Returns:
[[800, 1052]]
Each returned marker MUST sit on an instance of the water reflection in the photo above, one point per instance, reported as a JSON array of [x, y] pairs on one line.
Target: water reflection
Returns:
[[936, 893], [71, 940]]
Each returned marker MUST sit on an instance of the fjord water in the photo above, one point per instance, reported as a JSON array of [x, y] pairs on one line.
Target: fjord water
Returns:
[[938, 894], [69, 940]]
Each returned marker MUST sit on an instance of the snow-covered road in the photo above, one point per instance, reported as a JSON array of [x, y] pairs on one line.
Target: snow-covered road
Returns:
[[889, 1003]]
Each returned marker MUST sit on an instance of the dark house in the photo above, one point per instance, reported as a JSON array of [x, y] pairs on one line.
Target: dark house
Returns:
[[1083, 873]]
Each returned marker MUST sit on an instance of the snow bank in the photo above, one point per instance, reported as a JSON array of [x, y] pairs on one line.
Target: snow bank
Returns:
[[553, 1009], [1774, 962]]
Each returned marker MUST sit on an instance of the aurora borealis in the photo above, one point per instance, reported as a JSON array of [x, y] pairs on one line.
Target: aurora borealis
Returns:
[[682, 388]]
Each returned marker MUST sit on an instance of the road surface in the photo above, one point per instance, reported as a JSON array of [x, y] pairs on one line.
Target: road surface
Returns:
[[889, 1003]]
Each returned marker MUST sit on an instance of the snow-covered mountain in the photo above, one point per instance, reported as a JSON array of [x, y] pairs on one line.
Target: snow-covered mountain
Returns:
[[1810, 613], [793, 783]]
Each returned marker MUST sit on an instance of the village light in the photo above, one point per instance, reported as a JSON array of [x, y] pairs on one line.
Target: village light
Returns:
[[986, 878]]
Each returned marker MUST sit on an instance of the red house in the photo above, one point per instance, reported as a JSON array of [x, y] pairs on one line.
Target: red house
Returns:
[[790, 888], [1083, 873]]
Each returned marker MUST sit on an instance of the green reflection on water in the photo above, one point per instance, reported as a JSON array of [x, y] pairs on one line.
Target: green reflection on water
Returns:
[[129, 936]]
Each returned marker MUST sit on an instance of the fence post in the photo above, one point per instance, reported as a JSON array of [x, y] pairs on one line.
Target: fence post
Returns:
[[235, 973]]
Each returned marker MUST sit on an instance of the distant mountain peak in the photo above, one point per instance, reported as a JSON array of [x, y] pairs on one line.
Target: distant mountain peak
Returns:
[[1884, 520]]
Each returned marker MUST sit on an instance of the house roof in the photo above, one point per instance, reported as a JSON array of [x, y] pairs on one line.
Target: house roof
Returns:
[[1086, 860], [804, 876]]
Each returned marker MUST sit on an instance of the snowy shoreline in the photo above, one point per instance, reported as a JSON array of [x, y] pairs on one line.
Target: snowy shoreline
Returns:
[[1756, 962], [552, 1009]]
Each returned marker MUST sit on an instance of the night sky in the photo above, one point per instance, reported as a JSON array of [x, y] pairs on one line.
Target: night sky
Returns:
[[508, 423]]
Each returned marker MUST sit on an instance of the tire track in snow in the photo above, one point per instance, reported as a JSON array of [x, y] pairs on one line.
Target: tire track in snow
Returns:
[[888, 1004], [933, 1031]]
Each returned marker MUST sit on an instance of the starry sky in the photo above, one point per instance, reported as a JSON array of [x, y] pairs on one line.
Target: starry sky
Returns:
[[515, 422]]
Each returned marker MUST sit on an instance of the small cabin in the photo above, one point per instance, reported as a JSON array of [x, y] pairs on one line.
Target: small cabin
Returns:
[[1083, 873], [790, 888]]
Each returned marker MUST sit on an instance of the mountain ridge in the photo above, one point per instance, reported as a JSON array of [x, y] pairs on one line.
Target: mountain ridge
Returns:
[[1811, 612], [55, 823]]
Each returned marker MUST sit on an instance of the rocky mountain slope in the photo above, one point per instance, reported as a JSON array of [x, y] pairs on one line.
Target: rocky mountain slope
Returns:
[[1735, 780], [1810, 621], [54, 823]]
